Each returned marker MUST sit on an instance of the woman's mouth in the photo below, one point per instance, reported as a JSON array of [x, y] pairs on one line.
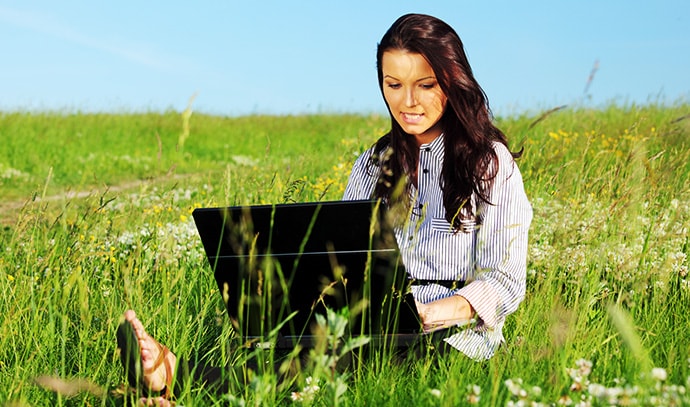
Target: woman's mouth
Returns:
[[412, 118]]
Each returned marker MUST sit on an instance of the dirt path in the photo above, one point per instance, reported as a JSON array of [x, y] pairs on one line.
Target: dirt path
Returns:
[[10, 209]]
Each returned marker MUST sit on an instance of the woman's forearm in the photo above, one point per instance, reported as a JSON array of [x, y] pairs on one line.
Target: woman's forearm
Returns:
[[450, 311]]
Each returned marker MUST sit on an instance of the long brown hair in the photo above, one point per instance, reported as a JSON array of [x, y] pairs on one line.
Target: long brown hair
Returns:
[[470, 162]]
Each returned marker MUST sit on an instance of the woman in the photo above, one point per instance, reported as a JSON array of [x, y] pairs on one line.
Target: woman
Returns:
[[447, 171], [463, 233]]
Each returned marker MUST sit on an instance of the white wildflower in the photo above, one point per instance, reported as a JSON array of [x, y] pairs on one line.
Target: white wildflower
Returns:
[[683, 270], [565, 401], [514, 386], [659, 374], [612, 394], [245, 160], [474, 394], [597, 390], [308, 392], [536, 390]]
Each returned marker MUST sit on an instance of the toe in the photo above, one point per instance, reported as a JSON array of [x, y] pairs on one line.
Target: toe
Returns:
[[155, 401], [130, 315]]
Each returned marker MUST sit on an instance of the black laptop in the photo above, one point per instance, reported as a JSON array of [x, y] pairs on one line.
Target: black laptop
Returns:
[[277, 266]]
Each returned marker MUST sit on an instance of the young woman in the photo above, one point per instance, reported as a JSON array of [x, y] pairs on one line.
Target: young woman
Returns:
[[446, 169], [463, 236]]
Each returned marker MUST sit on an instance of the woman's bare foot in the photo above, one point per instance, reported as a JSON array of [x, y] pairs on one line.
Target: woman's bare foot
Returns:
[[157, 362]]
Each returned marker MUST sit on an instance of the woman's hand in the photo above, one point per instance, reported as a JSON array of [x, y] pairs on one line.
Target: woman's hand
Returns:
[[444, 313]]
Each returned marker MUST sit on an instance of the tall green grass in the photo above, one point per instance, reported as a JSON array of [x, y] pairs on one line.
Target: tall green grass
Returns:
[[96, 214]]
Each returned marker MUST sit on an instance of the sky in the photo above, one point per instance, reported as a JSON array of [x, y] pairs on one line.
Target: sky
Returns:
[[318, 56]]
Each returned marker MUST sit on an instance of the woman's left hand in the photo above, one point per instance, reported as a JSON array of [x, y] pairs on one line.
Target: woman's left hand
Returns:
[[445, 313]]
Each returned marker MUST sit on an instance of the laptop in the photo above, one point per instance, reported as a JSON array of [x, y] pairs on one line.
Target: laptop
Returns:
[[277, 266]]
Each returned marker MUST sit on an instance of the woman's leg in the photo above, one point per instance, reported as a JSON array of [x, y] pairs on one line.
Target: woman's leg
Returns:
[[158, 368], [147, 363], [163, 374]]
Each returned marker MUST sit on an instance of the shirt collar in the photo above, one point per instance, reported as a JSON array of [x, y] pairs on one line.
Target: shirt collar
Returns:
[[436, 146]]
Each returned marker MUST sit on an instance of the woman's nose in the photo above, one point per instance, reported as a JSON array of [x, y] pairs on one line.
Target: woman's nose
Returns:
[[410, 98]]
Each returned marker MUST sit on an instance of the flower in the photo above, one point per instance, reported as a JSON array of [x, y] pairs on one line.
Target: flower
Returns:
[[659, 374], [474, 394], [514, 386], [308, 392], [597, 390]]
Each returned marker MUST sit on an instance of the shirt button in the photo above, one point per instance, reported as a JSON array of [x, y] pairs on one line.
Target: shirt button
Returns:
[[427, 149], [420, 206], [425, 170]]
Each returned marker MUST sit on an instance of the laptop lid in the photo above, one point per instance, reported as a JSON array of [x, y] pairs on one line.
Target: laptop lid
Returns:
[[276, 266]]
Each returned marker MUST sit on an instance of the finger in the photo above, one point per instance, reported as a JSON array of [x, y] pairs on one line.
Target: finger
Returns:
[[428, 328]]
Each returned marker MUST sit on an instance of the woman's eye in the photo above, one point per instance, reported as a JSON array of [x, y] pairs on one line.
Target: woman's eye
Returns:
[[394, 85], [428, 85]]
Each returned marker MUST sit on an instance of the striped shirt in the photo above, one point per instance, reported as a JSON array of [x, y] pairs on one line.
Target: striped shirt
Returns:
[[490, 255]]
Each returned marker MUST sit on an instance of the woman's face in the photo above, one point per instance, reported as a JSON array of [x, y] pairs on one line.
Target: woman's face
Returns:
[[412, 94]]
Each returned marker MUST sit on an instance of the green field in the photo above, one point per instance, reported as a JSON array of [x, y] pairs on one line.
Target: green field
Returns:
[[96, 219]]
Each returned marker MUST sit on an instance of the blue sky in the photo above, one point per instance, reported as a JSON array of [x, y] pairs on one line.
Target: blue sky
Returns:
[[291, 57]]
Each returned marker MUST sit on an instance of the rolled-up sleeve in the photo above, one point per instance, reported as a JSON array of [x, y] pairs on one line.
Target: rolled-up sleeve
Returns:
[[501, 249]]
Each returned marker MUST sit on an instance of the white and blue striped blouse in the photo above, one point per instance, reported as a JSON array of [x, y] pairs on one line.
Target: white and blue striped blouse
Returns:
[[490, 258]]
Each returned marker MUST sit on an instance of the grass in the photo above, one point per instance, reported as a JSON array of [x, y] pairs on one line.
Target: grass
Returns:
[[96, 219]]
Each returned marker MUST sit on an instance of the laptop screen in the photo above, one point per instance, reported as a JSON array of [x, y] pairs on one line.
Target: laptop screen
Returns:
[[276, 266]]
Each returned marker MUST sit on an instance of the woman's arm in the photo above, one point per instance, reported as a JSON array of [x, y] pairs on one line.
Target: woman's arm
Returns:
[[501, 250], [444, 313], [498, 286]]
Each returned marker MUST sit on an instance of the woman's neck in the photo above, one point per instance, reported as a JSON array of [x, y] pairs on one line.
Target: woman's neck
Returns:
[[430, 135]]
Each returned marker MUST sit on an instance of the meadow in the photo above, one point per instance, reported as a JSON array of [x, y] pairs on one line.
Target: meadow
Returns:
[[96, 219]]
